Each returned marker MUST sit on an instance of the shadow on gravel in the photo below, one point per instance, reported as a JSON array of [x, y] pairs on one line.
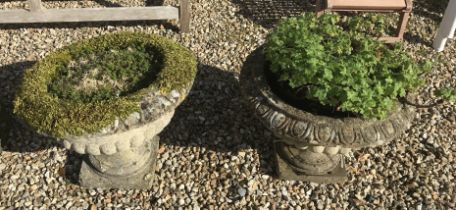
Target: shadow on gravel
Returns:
[[72, 167], [154, 2], [214, 117], [16, 136], [430, 8], [416, 39], [268, 12]]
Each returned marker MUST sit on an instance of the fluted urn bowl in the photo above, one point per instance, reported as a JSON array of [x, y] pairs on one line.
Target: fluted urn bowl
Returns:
[[117, 131], [310, 146]]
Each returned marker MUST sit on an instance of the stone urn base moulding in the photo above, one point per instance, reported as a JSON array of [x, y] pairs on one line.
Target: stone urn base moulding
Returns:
[[310, 147], [123, 160], [123, 152]]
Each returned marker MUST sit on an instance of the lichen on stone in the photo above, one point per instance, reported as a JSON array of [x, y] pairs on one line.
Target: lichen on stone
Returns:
[[85, 87]]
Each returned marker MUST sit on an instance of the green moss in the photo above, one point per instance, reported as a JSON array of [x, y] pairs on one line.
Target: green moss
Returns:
[[49, 101], [106, 74]]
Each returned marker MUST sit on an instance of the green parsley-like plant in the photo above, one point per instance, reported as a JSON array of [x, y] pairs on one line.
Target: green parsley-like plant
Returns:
[[448, 94], [334, 61]]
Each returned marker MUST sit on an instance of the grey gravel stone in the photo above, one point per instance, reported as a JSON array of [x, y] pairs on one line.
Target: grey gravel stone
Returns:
[[242, 191]]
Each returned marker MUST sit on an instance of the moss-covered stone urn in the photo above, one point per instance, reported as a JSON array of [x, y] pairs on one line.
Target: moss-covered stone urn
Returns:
[[108, 97], [310, 146]]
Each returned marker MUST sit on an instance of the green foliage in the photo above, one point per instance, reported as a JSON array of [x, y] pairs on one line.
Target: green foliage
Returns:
[[332, 60], [53, 101], [105, 74], [448, 94], [372, 24]]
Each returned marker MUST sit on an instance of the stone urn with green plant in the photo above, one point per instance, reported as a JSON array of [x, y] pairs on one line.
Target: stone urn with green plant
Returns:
[[325, 87], [108, 98]]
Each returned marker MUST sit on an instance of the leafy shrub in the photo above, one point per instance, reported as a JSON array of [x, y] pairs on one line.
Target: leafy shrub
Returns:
[[334, 61], [448, 94]]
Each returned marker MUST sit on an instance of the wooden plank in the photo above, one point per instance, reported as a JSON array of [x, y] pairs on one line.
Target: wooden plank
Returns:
[[402, 27], [35, 5], [366, 4], [184, 15], [89, 14]]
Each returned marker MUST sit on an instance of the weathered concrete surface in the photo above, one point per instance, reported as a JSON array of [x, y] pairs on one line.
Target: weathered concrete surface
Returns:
[[311, 145], [109, 144], [285, 171], [131, 169]]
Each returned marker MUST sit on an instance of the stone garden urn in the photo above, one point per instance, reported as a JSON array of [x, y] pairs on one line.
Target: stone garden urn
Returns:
[[108, 98], [310, 147]]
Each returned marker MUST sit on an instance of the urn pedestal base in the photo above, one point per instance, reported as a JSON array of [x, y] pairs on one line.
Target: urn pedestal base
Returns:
[[132, 169], [333, 172], [285, 172]]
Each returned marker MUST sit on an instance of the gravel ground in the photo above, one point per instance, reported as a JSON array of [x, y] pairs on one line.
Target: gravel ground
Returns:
[[214, 154]]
